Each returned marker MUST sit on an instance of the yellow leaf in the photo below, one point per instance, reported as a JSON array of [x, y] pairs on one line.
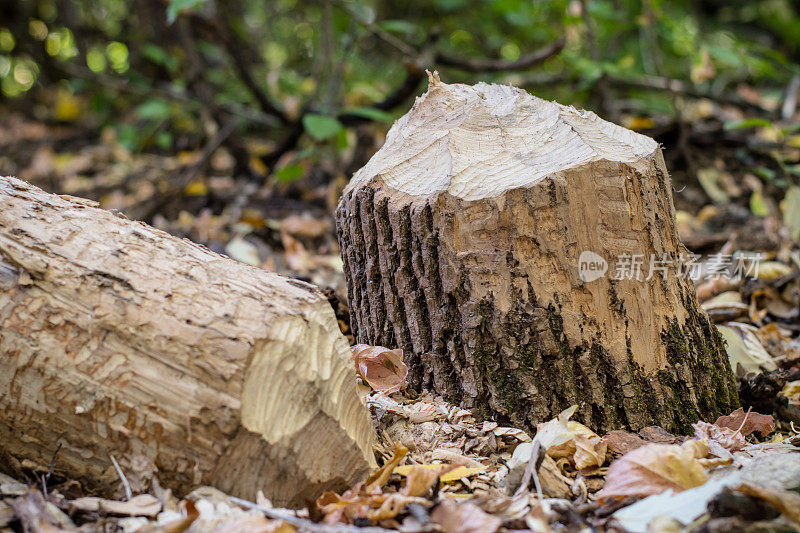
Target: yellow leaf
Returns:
[[793, 141], [639, 123], [196, 188], [772, 270], [68, 107], [258, 166], [448, 477]]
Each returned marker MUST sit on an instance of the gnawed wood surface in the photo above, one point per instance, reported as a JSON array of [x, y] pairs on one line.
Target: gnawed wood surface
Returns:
[[116, 338], [461, 241]]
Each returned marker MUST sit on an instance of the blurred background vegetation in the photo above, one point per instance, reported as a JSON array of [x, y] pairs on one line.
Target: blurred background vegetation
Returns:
[[218, 119]]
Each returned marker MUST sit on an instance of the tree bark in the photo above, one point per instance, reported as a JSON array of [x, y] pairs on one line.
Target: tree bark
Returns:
[[461, 241], [118, 339]]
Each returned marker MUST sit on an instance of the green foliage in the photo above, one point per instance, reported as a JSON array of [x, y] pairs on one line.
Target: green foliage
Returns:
[[174, 7], [370, 113], [289, 173], [321, 127], [157, 83]]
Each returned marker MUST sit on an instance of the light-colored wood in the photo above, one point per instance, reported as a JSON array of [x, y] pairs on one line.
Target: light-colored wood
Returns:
[[116, 338], [461, 241]]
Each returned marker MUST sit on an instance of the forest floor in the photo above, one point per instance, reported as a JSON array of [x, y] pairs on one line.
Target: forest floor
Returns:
[[443, 469]]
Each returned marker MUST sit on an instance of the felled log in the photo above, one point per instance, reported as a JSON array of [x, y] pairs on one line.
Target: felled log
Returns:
[[117, 339], [476, 239]]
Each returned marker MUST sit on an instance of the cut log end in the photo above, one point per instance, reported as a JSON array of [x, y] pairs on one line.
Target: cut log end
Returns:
[[117, 338], [462, 240], [477, 142]]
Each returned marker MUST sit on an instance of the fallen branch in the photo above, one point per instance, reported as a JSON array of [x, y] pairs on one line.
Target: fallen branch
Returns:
[[498, 65]]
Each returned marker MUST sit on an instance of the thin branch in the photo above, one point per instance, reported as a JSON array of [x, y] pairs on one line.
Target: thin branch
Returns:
[[414, 74], [659, 83], [498, 65], [234, 47], [121, 474], [167, 93], [378, 32], [305, 523]]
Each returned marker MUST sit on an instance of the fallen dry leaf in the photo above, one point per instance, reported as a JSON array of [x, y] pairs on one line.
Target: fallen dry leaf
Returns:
[[654, 468], [255, 524], [721, 440], [382, 475], [140, 505], [447, 473], [308, 227], [582, 446], [747, 423], [589, 451], [175, 526], [383, 369], [555, 432], [620, 442], [419, 480], [464, 518], [788, 503]]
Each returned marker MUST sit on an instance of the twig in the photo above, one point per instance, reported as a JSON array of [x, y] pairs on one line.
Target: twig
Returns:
[[234, 47], [378, 32], [790, 100], [605, 102], [124, 86], [531, 470], [46, 477], [744, 420], [304, 523], [497, 65], [121, 474], [146, 208]]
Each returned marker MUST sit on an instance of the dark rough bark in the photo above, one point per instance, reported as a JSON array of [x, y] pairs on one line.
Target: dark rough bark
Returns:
[[407, 288]]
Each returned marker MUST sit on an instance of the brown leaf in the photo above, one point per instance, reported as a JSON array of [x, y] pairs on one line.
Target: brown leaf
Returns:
[[307, 227], [788, 503], [721, 441], [178, 525], [654, 468], [419, 480], [383, 369], [381, 476], [747, 423], [620, 442], [140, 505], [464, 518], [589, 451], [255, 524], [658, 435]]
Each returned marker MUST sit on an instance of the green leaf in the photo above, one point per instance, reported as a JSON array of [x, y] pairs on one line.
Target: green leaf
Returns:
[[164, 140], [747, 123], [709, 179], [155, 110], [128, 137], [791, 212], [176, 6], [289, 172], [399, 26], [371, 113], [160, 57], [321, 127], [758, 204]]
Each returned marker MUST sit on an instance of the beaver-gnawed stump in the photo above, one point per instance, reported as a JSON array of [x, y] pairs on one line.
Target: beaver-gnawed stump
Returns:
[[463, 239]]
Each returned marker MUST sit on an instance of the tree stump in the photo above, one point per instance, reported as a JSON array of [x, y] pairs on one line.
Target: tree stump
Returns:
[[462, 239], [117, 339]]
